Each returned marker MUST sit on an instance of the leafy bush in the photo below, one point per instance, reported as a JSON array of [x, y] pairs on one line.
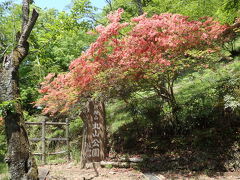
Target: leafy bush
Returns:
[[209, 96]]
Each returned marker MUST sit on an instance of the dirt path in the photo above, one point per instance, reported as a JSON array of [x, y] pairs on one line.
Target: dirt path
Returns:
[[73, 171]]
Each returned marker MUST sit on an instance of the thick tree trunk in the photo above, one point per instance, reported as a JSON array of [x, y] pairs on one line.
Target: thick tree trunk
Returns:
[[94, 133], [19, 157]]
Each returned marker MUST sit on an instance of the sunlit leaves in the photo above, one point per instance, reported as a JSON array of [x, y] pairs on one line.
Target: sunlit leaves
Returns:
[[153, 49]]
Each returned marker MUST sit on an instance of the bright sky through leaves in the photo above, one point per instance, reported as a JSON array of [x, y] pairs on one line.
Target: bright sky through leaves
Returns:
[[60, 4]]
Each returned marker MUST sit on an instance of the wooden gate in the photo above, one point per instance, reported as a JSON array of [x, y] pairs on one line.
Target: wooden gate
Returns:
[[43, 139]]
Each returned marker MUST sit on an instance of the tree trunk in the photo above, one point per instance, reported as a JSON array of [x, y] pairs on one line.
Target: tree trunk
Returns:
[[19, 157], [94, 133], [165, 91]]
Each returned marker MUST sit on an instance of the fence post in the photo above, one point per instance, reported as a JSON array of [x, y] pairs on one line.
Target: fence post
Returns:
[[67, 136], [43, 142]]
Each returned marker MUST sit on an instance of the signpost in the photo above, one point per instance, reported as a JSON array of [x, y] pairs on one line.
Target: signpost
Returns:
[[94, 138]]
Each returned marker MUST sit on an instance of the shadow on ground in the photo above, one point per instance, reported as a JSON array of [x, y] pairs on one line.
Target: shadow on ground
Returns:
[[209, 150]]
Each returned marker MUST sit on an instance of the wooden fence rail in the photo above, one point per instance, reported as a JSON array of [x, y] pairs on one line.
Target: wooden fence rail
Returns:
[[44, 139]]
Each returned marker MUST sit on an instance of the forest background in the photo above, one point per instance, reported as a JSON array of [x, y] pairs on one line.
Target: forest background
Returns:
[[207, 132]]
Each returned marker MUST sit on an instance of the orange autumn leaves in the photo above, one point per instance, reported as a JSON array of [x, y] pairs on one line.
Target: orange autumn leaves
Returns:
[[128, 50]]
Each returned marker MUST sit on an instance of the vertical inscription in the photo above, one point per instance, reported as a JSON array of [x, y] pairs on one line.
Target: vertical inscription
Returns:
[[96, 132]]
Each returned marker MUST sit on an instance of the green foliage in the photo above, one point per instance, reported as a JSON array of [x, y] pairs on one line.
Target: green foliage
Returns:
[[196, 97], [58, 38], [76, 153], [192, 8], [82, 9], [75, 133], [3, 145], [117, 115], [8, 106], [3, 168], [75, 126], [9, 21], [28, 95], [143, 120], [226, 11], [229, 11], [109, 166], [202, 94], [129, 7], [3, 171]]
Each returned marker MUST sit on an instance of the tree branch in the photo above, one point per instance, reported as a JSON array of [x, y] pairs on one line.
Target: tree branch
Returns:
[[110, 4], [5, 51], [159, 93], [94, 19], [236, 24], [231, 28], [25, 16], [28, 28]]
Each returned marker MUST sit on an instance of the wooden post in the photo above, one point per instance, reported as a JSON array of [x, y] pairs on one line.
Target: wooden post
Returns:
[[43, 139], [43, 142], [94, 133], [67, 137]]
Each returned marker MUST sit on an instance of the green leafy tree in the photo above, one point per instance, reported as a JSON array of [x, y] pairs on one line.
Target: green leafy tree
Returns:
[[19, 158], [58, 38], [229, 11]]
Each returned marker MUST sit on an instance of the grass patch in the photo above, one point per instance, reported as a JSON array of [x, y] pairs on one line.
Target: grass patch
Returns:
[[3, 171], [3, 168]]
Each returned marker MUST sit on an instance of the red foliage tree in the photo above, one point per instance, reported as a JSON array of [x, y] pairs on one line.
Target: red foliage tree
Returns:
[[148, 52], [152, 51]]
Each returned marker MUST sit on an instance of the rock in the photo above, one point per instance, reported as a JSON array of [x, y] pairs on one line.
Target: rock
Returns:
[[136, 159], [115, 164]]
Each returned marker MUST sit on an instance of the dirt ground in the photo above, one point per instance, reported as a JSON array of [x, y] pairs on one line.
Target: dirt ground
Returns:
[[73, 171], [201, 176]]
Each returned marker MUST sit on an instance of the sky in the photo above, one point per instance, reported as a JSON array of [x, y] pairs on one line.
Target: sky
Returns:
[[60, 4]]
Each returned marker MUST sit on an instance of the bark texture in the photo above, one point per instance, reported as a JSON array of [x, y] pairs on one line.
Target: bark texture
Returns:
[[94, 133], [19, 158]]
